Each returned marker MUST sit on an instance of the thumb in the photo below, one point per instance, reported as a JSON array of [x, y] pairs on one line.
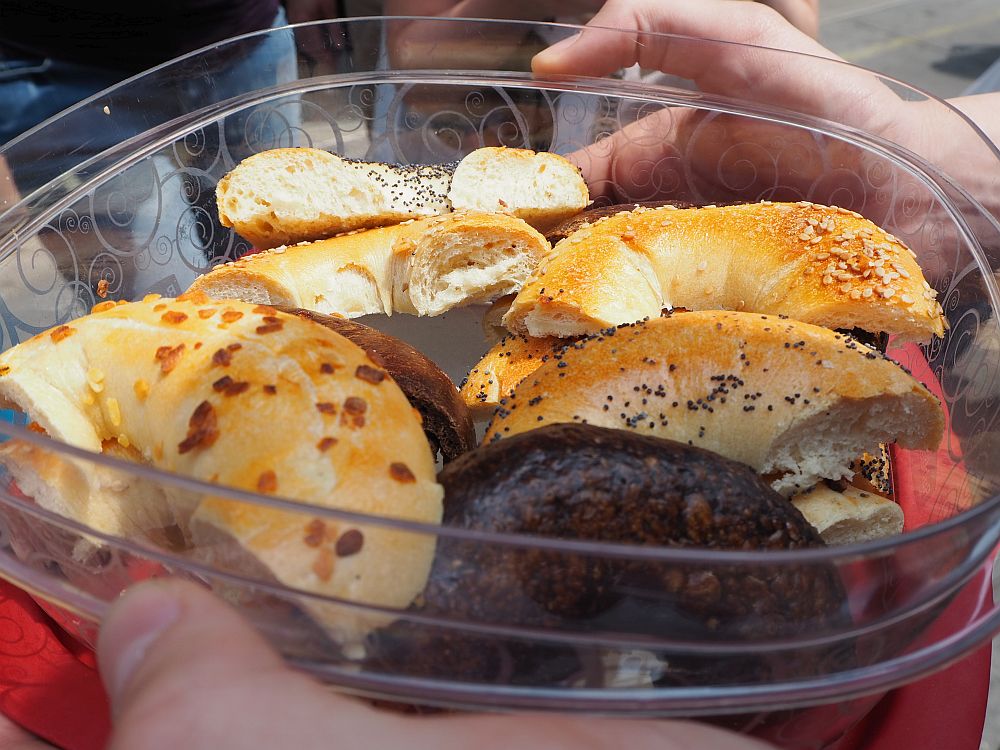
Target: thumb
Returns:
[[182, 669]]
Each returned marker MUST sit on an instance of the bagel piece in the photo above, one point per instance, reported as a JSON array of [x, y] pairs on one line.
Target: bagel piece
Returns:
[[849, 516], [822, 265], [789, 399], [242, 396], [424, 267], [446, 420], [583, 482], [289, 195], [543, 189], [506, 364]]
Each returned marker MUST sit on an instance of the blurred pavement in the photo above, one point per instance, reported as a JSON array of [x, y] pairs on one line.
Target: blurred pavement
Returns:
[[940, 47]]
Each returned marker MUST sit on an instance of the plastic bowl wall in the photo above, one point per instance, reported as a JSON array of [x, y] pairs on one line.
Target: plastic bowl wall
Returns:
[[120, 192]]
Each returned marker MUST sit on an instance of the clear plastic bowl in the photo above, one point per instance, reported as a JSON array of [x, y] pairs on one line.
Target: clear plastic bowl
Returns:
[[119, 190]]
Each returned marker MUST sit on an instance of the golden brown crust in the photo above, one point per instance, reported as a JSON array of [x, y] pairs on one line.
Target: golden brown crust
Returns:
[[505, 365], [245, 396], [414, 267], [821, 265], [759, 389]]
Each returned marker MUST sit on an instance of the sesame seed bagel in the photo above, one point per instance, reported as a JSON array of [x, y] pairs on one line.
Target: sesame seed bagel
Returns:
[[423, 267], [822, 265], [288, 195], [789, 399], [243, 396]]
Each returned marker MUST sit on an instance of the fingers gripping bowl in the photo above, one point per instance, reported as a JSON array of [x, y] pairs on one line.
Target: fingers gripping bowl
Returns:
[[670, 629]]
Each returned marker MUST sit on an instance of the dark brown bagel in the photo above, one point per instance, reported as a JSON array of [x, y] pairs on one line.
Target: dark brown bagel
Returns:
[[574, 481], [447, 420]]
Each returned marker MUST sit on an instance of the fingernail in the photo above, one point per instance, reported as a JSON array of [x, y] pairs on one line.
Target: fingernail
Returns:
[[133, 625]]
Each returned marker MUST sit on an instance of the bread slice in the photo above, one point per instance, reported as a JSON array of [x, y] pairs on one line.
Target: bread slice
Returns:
[[541, 188], [424, 267], [289, 195], [851, 516]]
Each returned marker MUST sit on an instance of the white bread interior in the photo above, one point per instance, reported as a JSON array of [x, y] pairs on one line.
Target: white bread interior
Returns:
[[850, 516], [290, 195], [543, 189], [423, 267]]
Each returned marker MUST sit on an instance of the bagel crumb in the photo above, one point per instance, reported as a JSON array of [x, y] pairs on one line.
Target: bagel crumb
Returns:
[[354, 412], [369, 374], [203, 429], [174, 317], [271, 325], [114, 412], [326, 443], [325, 407], [123, 440]]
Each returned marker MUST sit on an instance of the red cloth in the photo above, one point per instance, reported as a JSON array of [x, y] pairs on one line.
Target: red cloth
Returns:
[[48, 682], [49, 685]]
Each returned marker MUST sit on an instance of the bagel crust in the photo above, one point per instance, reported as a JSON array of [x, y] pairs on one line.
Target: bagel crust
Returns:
[[787, 398], [243, 396], [423, 267], [822, 265]]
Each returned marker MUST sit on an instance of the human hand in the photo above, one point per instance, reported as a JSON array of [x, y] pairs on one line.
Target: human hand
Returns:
[[702, 155], [182, 669], [317, 40]]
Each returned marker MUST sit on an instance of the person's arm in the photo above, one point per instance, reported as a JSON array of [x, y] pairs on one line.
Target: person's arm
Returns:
[[984, 110]]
